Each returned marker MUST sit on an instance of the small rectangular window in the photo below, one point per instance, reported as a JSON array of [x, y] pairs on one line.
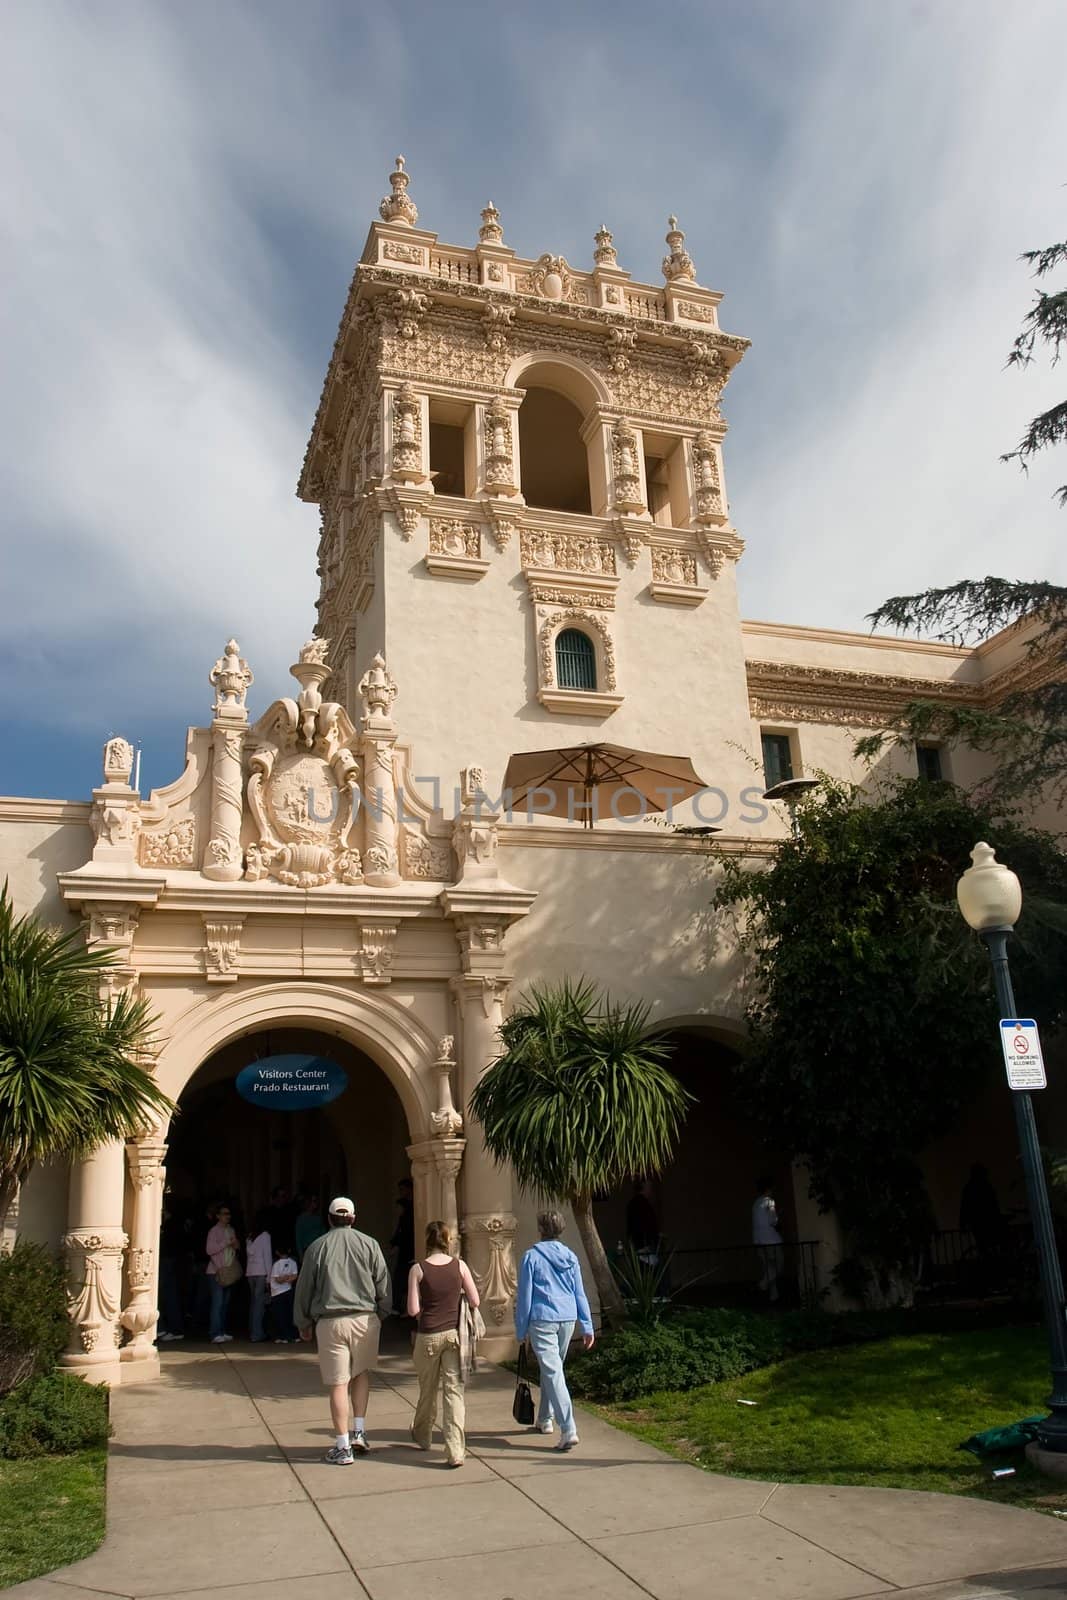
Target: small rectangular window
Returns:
[[928, 757], [777, 758]]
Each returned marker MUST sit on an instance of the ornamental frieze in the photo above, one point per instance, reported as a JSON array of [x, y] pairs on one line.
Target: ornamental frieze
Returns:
[[850, 699], [569, 552]]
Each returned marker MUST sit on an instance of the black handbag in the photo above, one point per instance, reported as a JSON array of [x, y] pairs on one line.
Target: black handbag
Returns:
[[522, 1407]]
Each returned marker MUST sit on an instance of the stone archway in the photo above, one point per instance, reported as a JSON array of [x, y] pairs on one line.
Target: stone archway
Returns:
[[111, 1209]]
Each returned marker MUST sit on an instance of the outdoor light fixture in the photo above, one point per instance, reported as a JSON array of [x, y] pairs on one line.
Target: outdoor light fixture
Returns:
[[991, 898], [791, 790]]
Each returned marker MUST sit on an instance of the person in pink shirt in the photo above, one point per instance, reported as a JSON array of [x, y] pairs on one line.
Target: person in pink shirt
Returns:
[[259, 1259], [221, 1250]]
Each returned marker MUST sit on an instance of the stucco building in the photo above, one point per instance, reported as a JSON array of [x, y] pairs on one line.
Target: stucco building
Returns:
[[525, 543]]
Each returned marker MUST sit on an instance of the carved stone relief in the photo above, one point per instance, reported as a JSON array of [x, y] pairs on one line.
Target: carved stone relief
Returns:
[[673, 566], [569, 552], [173, 845], [453, 537]]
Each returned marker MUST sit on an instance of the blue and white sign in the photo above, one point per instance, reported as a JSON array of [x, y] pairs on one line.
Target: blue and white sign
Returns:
[[1022, 1053], [291, 1083]]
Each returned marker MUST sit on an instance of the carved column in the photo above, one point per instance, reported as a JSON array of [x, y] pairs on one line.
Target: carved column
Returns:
[[435, 1166], [230, 678], [144, 1156], [379, 787], [94, 1244], [222, 857], [488, 1220]]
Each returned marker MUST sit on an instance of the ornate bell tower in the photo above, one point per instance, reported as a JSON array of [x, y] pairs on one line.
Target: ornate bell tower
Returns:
[[519, 472]]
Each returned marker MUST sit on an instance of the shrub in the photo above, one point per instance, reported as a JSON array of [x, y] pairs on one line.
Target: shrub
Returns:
[[681, 1352], [33, 1313], [53, 1415], [693, 1347]]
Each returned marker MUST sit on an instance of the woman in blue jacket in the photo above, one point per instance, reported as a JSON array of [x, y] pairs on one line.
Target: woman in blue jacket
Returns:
[[551, 1299]]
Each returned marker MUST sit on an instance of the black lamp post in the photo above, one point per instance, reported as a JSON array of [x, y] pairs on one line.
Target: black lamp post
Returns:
[[991, 898]]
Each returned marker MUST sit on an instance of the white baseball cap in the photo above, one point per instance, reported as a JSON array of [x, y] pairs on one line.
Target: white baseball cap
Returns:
[[342, 1207]]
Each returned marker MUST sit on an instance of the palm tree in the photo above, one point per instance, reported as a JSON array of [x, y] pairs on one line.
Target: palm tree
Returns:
[[579, 1100], [71, 1073]]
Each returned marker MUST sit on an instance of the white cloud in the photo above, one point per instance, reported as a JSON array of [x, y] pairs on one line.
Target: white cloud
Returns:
[[188, 188]]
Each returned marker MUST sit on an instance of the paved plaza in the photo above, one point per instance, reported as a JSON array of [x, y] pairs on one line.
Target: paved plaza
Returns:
[[217, 1487]]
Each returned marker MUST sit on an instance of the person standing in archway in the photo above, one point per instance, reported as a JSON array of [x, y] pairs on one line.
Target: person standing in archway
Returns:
[[766, 1238], [342, 1294]]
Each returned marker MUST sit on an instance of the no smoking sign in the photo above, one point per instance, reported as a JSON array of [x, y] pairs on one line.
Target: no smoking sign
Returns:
[[1022, 1053]]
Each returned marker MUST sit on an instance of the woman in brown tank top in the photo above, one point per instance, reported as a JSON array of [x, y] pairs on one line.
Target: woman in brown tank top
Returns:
[[435, 1287]]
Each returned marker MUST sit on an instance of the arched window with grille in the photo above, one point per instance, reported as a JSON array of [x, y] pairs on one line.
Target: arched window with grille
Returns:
[[575, 660]]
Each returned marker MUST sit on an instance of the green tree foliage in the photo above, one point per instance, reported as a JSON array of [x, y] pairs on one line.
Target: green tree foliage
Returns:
[[1026, 733], [71, 1072], [872, 1021], [579, 1100], [1045, 322]]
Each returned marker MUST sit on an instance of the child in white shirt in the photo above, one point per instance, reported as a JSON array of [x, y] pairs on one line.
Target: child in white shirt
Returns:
[[283, 1276]]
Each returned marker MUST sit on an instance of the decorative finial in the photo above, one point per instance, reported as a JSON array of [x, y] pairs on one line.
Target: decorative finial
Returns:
[[399, 206], [490, 231], [605, 254], [679, 264], [378, 690], [231, 679]]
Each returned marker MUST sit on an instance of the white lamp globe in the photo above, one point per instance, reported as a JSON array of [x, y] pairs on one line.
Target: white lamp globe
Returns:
[[989, 893]]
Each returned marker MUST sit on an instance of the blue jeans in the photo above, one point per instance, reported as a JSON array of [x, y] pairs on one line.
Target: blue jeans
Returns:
[[257, 1305], [220, 1305], [550, 1342]]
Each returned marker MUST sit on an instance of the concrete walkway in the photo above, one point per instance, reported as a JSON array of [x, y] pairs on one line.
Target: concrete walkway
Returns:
[[216, 1487]]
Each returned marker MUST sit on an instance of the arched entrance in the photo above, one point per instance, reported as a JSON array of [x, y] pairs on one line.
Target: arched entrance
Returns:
[[223, 1146], [274, 1163]]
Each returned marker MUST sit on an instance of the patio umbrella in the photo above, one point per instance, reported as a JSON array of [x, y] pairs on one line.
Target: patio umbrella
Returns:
[[607, 777]]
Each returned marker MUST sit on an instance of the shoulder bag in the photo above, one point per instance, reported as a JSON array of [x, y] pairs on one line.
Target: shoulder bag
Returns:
[[230, 1270], [522, 1407]]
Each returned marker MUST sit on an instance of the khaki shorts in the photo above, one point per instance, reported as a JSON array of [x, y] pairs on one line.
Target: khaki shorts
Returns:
[[347, 1346]]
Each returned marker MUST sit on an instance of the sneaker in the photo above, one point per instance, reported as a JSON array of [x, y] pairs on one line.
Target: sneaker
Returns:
[[546, 1427], [360, 1447], [568, 1443], [227, 1338], [220, 1338], [337, 1457], [281, 1341]]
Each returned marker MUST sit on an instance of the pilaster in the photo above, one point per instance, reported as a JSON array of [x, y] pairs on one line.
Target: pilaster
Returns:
[[140, 1359], [94, 1245]]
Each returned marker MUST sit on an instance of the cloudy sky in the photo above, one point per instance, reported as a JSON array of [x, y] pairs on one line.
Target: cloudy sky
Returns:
[[187, 186]]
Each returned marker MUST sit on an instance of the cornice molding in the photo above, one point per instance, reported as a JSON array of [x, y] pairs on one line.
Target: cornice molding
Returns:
[[544, 836], [13, 808], [787, 692], [869, 641]]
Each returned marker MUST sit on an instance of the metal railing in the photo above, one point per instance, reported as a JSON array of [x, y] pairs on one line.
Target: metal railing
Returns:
[[956, 1264], [736, 1274]]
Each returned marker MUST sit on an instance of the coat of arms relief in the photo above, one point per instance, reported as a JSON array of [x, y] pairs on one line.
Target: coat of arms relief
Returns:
[[304, 785]]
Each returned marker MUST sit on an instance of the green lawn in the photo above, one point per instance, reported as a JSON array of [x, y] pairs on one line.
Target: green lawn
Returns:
[[889, 1414], [51, 1512]]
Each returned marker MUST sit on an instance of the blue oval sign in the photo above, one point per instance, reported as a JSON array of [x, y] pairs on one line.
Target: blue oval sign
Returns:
[[291, 1083]]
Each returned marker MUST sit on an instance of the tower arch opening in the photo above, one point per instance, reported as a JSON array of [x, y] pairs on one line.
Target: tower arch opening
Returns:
[[555, 463]]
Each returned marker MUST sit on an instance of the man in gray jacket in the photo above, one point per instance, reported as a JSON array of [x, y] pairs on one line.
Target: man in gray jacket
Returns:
[[342, 1294]]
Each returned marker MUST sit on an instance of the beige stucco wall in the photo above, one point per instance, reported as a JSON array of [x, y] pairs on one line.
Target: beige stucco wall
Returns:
[[38, 839], [465, 657]]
